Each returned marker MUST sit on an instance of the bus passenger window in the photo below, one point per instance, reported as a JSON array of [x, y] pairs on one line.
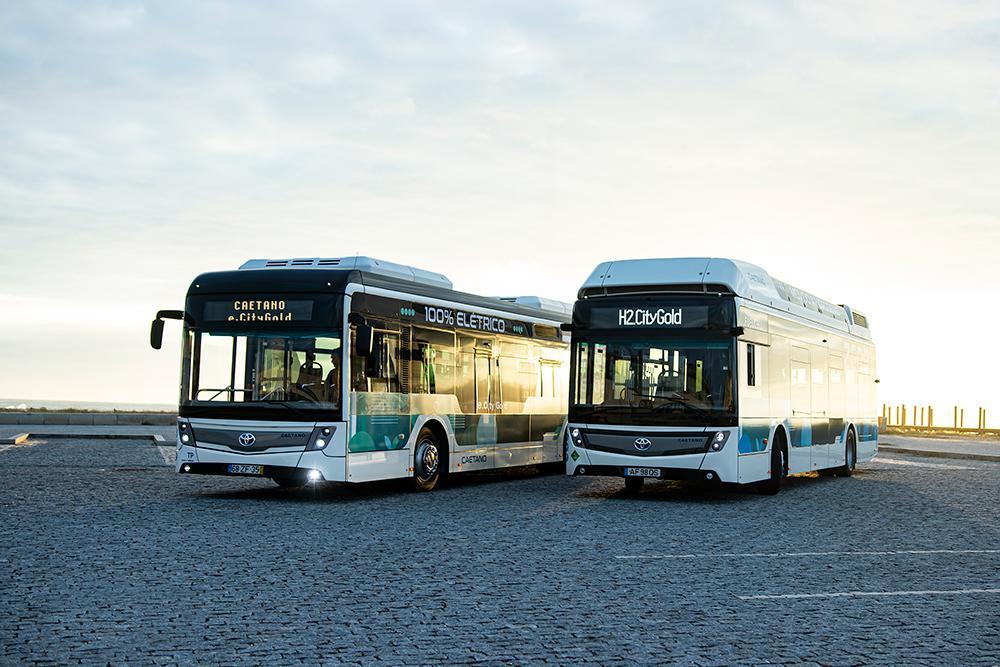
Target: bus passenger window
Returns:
[[382, 367]]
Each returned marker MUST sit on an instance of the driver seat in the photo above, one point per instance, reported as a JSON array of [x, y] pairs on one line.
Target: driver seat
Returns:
[[310, 379]]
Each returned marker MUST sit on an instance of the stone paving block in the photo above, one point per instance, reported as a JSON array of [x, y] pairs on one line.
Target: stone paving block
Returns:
[[110, 557]]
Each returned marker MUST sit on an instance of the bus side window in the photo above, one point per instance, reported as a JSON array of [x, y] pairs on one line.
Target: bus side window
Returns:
[[382, 367], [751, 365]]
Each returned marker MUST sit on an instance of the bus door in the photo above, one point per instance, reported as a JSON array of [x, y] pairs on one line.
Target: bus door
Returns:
[[476, 428], [822, 439], [800, 440]]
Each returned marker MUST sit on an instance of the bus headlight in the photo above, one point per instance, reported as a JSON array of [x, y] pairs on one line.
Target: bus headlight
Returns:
[[719, 441], [321, 437]]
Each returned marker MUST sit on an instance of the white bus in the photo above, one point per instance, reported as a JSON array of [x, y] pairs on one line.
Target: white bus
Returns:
[[709, 369], [355, 369]]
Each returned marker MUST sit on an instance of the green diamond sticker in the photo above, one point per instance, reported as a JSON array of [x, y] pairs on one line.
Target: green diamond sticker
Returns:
[[574, 455]]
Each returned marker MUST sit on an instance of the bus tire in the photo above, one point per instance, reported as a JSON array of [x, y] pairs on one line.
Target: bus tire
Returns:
[[633, 485], [289, 482], [850, 455], [779, 459], [428, 461]]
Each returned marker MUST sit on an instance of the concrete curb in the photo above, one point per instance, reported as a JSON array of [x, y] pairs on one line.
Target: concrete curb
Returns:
[[19, 439], [88, 418], [937, 454]]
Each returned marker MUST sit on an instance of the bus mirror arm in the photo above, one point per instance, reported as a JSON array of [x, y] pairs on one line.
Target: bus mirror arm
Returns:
[[566, 327], [738, 331], [156, 328]]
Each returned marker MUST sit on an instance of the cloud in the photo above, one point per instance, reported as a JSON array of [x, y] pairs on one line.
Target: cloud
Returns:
[[850, 148]]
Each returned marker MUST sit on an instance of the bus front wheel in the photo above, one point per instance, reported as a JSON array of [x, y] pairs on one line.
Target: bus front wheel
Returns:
[[850, 456], [428, 460], [772, 484], [633, 485], [289, 481]]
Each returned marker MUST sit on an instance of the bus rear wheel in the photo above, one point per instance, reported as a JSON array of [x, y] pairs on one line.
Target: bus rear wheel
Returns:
[[428, 461]]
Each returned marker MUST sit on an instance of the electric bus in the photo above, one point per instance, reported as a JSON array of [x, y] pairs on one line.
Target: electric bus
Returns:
[[710, 369], [356, 369]]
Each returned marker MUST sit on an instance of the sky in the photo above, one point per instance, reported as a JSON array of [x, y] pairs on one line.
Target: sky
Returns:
[[850, 148]]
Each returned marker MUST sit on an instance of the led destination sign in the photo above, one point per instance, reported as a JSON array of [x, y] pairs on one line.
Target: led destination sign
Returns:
[[649, 316], [641, 317], [258, 310]]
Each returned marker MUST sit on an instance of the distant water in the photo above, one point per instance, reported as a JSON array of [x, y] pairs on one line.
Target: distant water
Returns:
[[25, 404]]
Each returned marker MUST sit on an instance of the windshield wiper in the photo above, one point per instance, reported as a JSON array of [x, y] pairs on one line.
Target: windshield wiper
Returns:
[[288, 406], [680, 400]]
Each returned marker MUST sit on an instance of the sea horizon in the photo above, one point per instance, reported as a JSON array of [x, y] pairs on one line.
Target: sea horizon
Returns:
[[96, 406]]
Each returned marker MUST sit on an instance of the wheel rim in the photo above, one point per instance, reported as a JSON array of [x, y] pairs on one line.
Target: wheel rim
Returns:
[[427, 455], [850, 454]]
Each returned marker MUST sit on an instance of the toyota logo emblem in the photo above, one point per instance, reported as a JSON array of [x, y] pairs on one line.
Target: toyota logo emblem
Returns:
[[247, 439], [642, 444]]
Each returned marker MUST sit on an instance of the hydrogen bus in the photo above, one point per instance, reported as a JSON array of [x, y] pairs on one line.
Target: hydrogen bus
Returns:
[[356, 369], [710, 369]]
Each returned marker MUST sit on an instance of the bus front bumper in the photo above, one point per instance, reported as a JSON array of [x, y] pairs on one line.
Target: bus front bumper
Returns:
[[681, 474], [714, 466], [201, 461]]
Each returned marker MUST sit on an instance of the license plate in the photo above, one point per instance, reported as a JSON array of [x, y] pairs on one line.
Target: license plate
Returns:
[[642, 472], [243, 469]]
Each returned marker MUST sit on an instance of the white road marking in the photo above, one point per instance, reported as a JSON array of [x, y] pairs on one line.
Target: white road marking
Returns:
[[802, 554], [867, 594], [921, 464], [167, 453]]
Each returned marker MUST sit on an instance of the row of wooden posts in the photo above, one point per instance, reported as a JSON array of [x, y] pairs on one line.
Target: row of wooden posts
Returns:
[[921, 415]]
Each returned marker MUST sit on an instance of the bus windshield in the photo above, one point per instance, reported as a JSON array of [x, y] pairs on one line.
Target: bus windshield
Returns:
[[654, 382], [293, 369]]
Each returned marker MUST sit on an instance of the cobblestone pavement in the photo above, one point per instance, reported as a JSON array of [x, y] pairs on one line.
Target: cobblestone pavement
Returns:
[[107, 556]]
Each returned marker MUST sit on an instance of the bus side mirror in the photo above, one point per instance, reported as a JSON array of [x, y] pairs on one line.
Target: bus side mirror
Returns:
[[566, 327], [363, 337], [156, 334], [156, 328]]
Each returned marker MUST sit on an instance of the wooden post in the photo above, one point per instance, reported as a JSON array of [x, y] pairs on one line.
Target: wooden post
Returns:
[[956, 416], [930, 416], [921, 414], [898, 423], [903, 423], [961, 418]]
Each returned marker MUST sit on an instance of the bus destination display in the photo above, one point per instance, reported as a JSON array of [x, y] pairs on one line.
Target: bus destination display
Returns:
[[258, 310], [649, 316]]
